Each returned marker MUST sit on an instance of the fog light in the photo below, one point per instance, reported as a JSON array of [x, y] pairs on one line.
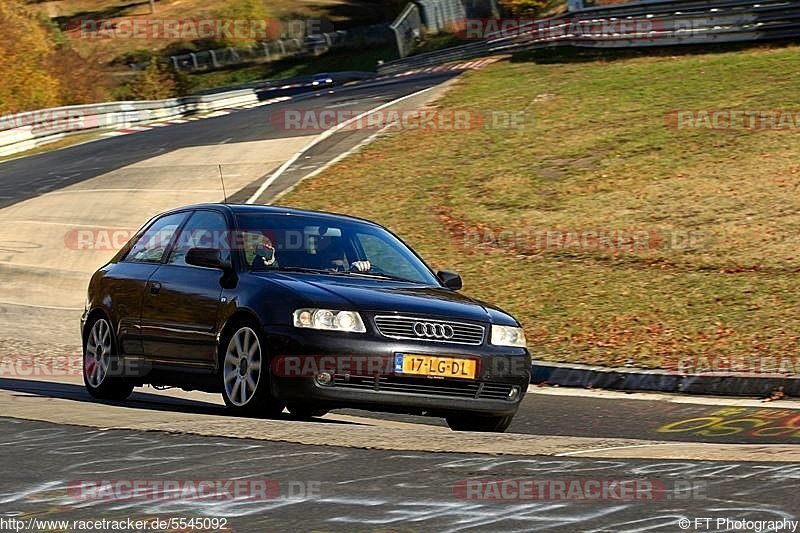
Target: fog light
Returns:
[[513, 393], [324, 378]]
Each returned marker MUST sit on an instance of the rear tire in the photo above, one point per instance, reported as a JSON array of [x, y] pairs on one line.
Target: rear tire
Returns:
[[244, 373], [491, 424], [100, 356]]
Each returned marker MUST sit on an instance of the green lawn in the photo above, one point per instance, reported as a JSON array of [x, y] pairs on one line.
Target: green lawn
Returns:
[[595, 154]]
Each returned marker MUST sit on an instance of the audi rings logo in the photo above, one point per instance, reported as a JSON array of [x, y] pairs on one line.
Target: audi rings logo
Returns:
[[431, 330]]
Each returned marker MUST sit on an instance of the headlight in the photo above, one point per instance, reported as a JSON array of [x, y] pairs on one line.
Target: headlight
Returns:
[[329, 319], [508, 336]]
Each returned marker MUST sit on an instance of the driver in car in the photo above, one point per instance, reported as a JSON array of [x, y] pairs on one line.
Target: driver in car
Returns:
[[262, 250], [330, 254]]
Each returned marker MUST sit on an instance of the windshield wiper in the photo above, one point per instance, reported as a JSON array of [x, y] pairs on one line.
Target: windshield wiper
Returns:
[[307, 270], [379, 275]]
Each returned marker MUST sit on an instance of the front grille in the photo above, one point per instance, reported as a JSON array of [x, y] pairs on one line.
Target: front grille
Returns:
[[429, 330], [429, 387]]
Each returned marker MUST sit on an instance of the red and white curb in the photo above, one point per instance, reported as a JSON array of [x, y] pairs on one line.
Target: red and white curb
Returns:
[[467, 65], [176, 121]]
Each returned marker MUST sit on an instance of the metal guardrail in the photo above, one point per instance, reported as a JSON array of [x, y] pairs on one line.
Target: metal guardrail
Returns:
[[671, 23], [24, 131], [265, 86]]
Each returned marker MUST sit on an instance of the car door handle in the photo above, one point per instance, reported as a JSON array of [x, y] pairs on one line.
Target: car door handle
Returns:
[[155, 288]]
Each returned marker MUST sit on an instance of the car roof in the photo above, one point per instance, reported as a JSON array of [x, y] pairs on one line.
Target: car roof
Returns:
[[274, 210]]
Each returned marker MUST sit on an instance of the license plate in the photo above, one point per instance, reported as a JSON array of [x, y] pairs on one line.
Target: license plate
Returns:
[[435, 366]]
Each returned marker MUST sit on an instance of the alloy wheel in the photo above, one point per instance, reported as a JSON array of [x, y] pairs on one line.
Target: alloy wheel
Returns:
[[242, 366], [97, 357]]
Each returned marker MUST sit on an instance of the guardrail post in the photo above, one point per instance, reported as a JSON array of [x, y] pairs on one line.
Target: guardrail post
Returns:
[[213, 58], [174, 60], [195, 64], [265, 44]]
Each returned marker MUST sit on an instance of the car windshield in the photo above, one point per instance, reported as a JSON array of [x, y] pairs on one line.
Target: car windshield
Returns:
[[317, 244]]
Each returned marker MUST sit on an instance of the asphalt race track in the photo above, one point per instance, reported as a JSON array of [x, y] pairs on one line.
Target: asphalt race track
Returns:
[[714, 458], [365, 490], [25, 177]]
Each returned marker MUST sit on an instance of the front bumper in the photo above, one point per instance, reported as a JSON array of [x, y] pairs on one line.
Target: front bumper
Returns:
[[500, 370]]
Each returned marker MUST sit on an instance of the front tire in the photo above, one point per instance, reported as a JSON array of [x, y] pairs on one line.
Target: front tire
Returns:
[[100, 356], [486, 424], [244, 371]]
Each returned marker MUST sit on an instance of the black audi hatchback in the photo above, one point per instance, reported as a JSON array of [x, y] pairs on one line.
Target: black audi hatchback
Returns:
[[282, 308]]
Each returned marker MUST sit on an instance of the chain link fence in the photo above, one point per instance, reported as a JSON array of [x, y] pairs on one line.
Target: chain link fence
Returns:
[[268, 51]]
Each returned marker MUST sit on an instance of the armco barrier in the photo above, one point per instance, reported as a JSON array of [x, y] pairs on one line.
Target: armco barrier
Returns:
[[633, 379], [24, 131], [673, 23]]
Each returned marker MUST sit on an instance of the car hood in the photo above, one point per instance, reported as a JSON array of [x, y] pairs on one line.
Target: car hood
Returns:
[[378, 295]]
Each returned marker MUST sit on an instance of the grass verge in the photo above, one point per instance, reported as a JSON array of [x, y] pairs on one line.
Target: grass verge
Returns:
[[596, 153]]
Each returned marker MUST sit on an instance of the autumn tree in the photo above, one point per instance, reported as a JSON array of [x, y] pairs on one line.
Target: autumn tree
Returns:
[[155, 82], [26, 52], [82, 80], [524, 8], [249, 11]]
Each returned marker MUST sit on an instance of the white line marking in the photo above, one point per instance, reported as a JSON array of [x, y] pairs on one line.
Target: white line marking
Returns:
[[52, 223], [333, 161], [53, 307], [324, 135], [84, 191], [631, 446]]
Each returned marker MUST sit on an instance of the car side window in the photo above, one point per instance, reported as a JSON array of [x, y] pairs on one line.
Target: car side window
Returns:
[[206, 229], [151, 245]]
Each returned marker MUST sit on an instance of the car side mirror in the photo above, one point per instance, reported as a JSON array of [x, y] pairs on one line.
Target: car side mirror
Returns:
[[211, 258], [205, 257], [451, 280]]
